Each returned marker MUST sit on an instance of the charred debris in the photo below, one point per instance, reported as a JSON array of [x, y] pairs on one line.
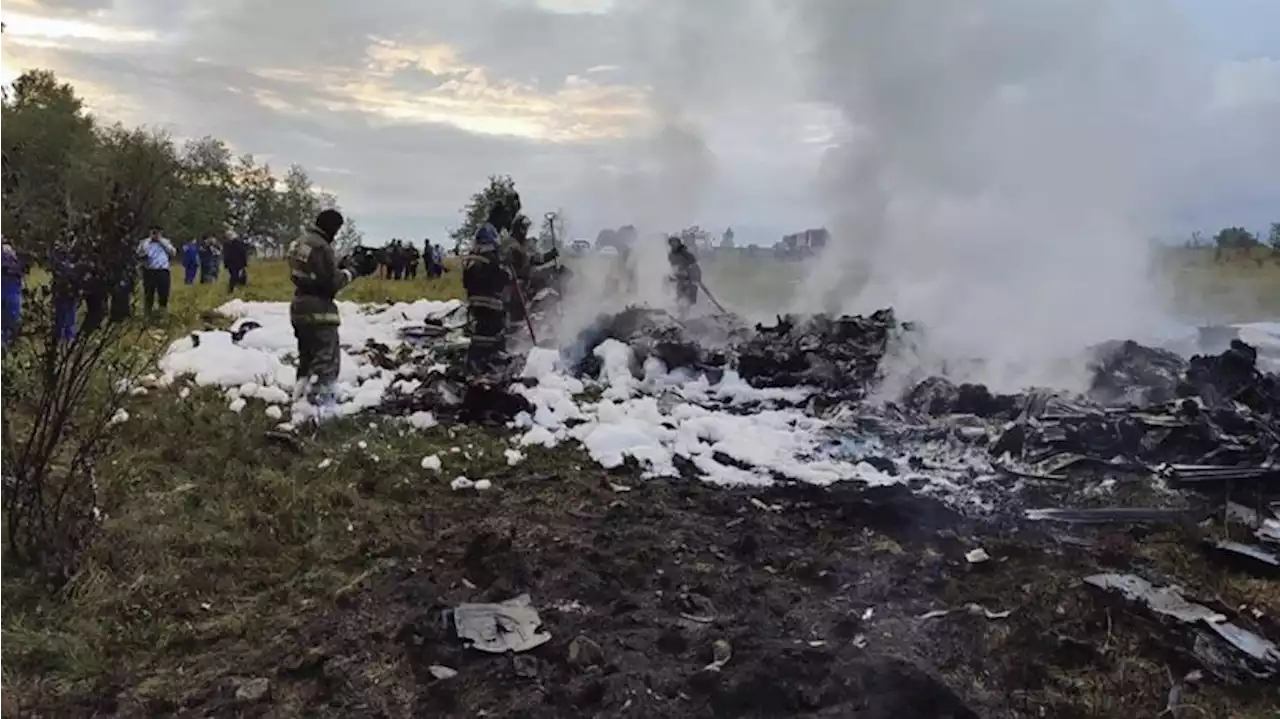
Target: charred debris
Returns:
[[1201, 434]]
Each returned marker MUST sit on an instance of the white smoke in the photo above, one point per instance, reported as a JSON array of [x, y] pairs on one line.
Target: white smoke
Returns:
[[1004, 167], [694, 58], [1001, 169]]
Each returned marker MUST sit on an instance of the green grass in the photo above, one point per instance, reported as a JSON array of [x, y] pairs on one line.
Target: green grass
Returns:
[[1243, 287], [218, 545], [269, 281]]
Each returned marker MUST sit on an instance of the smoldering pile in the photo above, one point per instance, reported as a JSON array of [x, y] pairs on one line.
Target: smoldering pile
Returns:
[[1207, 425], [1145, 405], [838, 356]]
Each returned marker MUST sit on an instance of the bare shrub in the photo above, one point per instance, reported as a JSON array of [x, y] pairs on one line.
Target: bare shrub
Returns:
[[63, 392]]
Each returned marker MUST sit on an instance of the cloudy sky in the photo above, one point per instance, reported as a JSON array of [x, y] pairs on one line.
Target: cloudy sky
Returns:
[[658, 112]]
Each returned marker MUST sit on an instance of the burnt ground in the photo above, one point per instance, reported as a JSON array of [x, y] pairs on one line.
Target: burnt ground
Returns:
[[237, 579]]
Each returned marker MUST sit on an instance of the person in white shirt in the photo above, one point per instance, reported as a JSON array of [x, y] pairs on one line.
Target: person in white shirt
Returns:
[[156, 252]]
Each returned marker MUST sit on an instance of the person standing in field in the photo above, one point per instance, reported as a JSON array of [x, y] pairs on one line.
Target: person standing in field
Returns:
[[235, 255], [215, 257], [65, 284], [317, 278], [435, 265], [207, 260], [156, 252], [190, 261], [12, 293], [411, 267]]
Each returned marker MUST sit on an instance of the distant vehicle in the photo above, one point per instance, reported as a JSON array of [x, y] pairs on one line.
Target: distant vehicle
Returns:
[[580, 247]]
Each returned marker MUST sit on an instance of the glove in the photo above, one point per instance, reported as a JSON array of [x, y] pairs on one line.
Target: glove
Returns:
[[551, 255]]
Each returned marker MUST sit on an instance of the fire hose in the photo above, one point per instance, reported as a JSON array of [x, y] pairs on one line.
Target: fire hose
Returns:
[[524, 306], [712, 297]]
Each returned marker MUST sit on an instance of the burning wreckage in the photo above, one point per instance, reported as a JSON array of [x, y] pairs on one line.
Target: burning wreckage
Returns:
[[1203, 434], [1177, 441]]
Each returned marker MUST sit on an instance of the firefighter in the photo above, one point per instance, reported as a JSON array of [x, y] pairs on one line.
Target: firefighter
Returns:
[[685, 273], [486, 279], [317, 278], [622, 274], [523, 259]]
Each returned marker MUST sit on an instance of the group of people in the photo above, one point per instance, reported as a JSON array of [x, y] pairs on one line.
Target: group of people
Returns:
[[204, 259], [105, 287], [401, 261], [498, 274]]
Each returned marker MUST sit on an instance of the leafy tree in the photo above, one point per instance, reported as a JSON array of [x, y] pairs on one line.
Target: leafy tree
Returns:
[[47, 138], [1233, 238], [202, 199], [62, 393], [1273, 237], [253, 203], [50, 143], [296, 208], [500, 190], [82, 193], [349, 237]]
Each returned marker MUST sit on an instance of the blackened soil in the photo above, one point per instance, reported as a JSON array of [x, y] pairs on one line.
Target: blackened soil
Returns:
[[816, 593]]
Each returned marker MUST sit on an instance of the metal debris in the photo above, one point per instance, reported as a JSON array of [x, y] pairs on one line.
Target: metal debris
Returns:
[[509, 626], [442, 672], [972, 608], [1252, 558], [1164, 600], [1265, 523], [1225, 649], [1109, 515]]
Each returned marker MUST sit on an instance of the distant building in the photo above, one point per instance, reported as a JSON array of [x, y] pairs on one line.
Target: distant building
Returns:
[[803, 244]]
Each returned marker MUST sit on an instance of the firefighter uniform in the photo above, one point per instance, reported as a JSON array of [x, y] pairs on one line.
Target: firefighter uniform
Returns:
[[486, 280], [685, 273], [317, 278], [523, 261]]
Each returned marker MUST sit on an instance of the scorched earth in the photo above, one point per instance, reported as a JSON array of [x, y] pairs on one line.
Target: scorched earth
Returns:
[[758, 538]]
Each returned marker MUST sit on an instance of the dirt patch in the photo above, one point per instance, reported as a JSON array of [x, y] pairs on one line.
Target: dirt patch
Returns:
[[317, 584], [817, 594]]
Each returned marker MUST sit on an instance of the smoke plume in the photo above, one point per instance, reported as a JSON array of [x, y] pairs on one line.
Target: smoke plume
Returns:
[[1004, 164]]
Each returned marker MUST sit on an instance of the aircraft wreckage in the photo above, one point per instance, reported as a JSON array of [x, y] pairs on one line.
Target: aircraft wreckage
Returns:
[[1196, 434]]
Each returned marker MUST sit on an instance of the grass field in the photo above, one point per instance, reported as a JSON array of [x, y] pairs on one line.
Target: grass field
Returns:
[[223, 559]]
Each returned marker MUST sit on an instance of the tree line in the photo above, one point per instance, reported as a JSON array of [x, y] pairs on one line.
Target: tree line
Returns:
[[78, 195], [59, 159], [1237, 239]]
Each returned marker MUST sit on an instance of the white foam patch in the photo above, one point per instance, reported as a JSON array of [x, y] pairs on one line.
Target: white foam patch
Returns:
[[262, 365], [665, 422], [663, 417]]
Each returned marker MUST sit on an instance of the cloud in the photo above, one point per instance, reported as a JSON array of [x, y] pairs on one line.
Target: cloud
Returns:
[[717, 111]]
